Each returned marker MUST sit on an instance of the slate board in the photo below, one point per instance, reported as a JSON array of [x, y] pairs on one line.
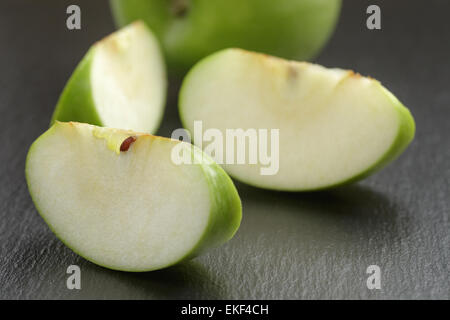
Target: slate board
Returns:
[[290, 245]]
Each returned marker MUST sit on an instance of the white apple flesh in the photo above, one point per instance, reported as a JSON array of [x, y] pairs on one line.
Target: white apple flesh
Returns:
[[335, 126], [116, 198], [120, 83]]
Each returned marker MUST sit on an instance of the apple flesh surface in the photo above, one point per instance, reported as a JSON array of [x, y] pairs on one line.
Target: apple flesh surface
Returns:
[[120, 83], [191, 30], [335, 126], [130, 210]]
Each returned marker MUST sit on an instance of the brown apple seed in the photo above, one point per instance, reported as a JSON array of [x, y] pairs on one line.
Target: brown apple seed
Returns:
[[127, 143]]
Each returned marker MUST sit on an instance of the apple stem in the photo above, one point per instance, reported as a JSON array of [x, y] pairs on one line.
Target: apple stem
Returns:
[[180, 7]]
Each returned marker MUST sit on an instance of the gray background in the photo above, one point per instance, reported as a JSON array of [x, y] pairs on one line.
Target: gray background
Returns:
[[290, 245]]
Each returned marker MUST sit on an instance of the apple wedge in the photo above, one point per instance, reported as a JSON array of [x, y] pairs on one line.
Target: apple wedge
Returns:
[[120, 83], [335, 126], [117, 199]]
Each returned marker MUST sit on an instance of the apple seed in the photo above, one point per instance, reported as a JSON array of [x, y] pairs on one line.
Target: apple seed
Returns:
[[127, 143]]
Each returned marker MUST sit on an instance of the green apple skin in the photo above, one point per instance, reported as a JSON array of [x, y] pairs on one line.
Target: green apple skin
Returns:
[[78, 92], [226, 208], [191, 30], [405, 134], [226, 212]]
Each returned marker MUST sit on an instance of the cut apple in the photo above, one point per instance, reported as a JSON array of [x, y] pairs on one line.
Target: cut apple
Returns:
[[335, 126], [120, 83], [116, 197]]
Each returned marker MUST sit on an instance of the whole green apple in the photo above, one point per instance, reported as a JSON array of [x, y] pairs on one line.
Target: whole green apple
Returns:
[[192, 29]]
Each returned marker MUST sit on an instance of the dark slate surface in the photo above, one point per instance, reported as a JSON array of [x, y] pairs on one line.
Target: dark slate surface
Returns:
[[290, 245]]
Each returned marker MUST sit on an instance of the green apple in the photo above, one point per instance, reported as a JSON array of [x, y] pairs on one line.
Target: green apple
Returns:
[[335, 126], [120, 83], [117, 199], [190, 30]]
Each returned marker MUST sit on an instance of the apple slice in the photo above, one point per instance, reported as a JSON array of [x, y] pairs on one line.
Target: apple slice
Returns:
[[116, 197], [335, 126], [120, 83]]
